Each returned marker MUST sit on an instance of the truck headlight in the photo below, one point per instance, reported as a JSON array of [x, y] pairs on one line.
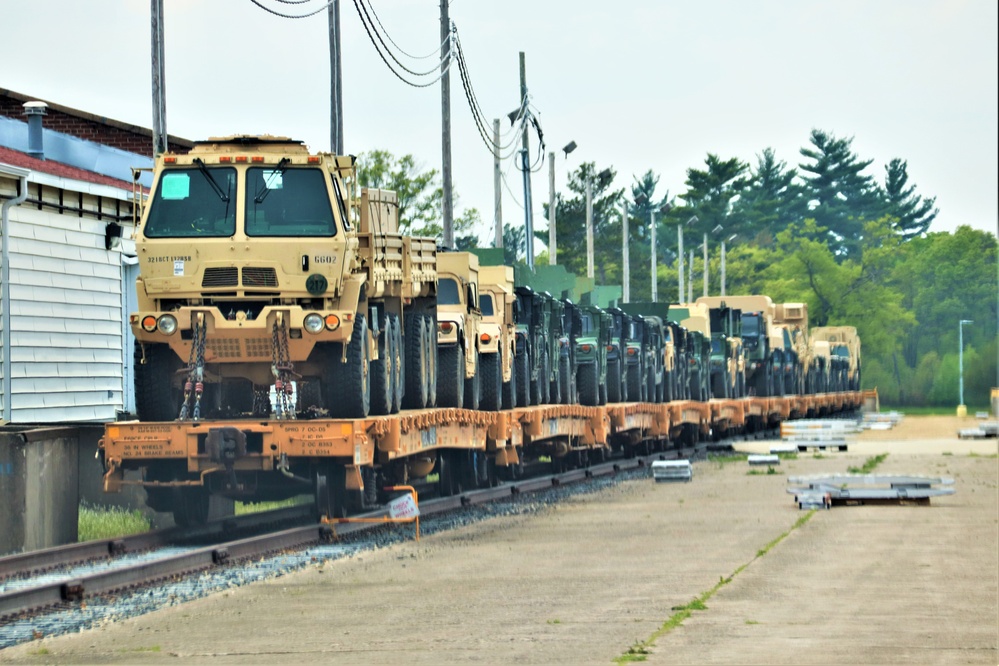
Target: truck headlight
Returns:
[[313, 323], [167, 324]]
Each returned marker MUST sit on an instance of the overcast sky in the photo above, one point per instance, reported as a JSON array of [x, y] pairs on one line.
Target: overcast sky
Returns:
[[646, 84]]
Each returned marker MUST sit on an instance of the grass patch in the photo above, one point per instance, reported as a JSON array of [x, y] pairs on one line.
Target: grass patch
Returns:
[[721, 460], [972, 454], [760, 472], [933, 410], [258, 507], [40, 651], [555, 621], [947, 453], [751, 622], [639, 649], [819, 456], [108, 522], [868, 465], [151, 648]]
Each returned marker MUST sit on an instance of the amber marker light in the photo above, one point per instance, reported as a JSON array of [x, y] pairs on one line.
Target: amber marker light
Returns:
[[332, 322], [313, 159], [225, 159], [485, 338], [149, 323], [241, 159], [446, 326], [169, 160], [258, 159]]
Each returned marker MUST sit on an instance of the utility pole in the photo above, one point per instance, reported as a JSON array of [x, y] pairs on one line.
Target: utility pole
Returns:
[[159, 78], [497, 184], [625, 259], [723, 267], [679, 273], [551, 210], [589, 226], [528, 213], [336, 80], [690, 280], [447, 206]]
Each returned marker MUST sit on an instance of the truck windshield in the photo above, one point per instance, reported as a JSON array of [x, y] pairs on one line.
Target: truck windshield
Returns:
[[447, 292], [750, 325], [587, 325], [485, 305], [292, 202], [187, 205]]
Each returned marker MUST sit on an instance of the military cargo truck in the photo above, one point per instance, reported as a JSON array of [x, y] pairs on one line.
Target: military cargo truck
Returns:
[[458, 322], [263, 271], [533, 345], [667, 332], [757, 321], [695, 318], [845, 349], [497, 338], [794, 316], [617, 384], [596, 327]]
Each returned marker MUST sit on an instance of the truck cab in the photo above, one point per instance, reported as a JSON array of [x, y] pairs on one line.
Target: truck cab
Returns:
[[497, 337], [458, 321]]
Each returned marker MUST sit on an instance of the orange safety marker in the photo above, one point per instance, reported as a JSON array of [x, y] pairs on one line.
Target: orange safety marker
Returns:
[[405, 509]]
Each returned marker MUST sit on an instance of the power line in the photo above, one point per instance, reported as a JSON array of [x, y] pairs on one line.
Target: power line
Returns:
[[291, 2], [389, 37], [366, 19]]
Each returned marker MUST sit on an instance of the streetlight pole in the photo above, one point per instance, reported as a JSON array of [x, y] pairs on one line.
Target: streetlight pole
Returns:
[[690, 280], [705, 263], [679, 272], [961, 409], [729, 239], [652, 234], [552, 239]]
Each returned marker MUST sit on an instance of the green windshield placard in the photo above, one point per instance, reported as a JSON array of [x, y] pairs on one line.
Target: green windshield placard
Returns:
[[175, 186]]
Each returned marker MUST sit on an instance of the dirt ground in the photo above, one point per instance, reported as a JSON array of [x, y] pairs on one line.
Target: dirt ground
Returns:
[[585, 581]]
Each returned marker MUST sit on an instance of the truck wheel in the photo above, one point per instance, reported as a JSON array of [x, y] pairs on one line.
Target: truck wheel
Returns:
[[635, 383], [566, 393], [545, 379], [510, 388], [522, 368], [415, 374], [473, 385], [451, 387], [397, 362], [669, 395], [588, 382], [433, 362], [381, 370], [614, 381], [155, 397], [348, 387], [492, 382]]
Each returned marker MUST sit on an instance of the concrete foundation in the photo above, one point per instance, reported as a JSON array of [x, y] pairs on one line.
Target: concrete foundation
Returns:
[[39, 488]]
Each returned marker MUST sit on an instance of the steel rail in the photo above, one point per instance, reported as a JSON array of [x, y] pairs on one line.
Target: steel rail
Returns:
[[37, 561], [27, 600]]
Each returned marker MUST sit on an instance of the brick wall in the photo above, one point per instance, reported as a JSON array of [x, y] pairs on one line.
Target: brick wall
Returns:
[[87, 126]]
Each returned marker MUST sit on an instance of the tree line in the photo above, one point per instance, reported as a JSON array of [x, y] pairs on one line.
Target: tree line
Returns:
[[857, 249]]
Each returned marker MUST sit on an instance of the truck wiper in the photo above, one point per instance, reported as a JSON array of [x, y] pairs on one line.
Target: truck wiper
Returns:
[[264, 189], [211, 180]]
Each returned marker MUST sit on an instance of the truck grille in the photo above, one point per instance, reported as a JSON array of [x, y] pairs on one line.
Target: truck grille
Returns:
[[228, 276], [259, 277], [220, 277]]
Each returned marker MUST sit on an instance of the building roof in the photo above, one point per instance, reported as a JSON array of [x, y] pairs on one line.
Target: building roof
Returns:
[[25, 161]]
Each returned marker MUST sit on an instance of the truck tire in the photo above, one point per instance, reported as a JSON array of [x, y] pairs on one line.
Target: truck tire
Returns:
[[589, 385], [669, 393], [510, 387], [614, 381], [522, 368], [492, 382], [433, 362], [415, 366], [473, 385], [544, 379], [451, 387], [397, 363], [635, 393], [155, 397], [348, 385], [566, 392], [381, 370]]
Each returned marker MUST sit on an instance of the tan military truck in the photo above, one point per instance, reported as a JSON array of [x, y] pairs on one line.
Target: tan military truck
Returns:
[[760, 364], [268, 285], [794, 316], [497, 338], [820, 373], [845, 348], [458, 323]]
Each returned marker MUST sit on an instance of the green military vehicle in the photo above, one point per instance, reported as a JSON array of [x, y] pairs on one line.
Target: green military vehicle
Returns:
[[617, 379], [696, 319], [533, 359], [591, 341], [673, 376]]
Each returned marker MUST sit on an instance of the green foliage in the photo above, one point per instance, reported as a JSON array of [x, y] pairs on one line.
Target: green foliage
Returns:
[[97, 522], [869, 465]]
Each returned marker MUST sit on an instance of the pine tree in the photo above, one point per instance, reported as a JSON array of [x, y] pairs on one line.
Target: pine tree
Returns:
[[913, 213], [771, 201]]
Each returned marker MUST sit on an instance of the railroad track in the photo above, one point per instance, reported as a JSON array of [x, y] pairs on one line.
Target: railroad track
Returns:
[[65, 591]]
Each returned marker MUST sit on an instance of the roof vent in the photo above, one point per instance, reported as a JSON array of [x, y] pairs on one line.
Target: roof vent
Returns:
[[35, 111]]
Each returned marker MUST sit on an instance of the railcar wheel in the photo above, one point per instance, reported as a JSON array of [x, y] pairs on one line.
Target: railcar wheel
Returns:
[[329, 482], [191, 506]]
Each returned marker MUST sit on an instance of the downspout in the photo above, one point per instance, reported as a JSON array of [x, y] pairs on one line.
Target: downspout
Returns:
[[22, 176]]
